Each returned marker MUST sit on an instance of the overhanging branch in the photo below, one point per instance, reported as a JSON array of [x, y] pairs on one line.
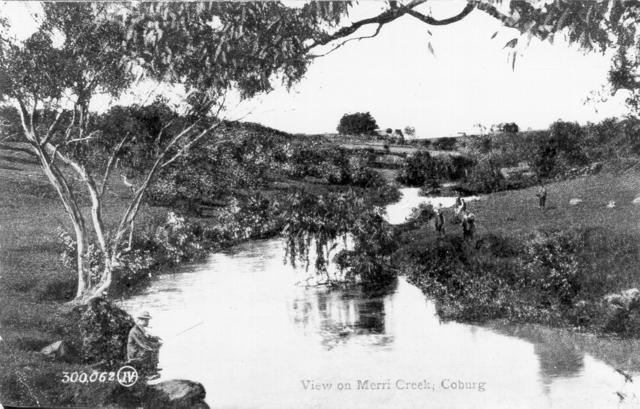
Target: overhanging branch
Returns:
[[435, 22], [397, 11], [383, 18]]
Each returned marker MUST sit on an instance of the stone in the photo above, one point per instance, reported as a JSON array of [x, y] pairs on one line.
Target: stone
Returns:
[[575, 201], [627, 299], [176, 394], [636, 200], [595, 168], [58, 349]]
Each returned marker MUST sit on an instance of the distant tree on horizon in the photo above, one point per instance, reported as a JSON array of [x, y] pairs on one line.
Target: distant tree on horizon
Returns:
[[357, 123], [410, 131]]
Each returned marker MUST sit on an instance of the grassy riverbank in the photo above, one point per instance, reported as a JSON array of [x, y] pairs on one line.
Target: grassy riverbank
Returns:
[[35, 283], [525, 264]]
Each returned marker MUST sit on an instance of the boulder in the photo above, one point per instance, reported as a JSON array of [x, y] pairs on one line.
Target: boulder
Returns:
[[176, 394], [575, 201], [636, 200], [58, 349], [595, 168], [626, 300]]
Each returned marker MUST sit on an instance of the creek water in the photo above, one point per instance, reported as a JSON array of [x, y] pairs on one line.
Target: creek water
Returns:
[[242, 325]]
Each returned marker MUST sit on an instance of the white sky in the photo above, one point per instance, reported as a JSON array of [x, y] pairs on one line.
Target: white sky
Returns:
[[468, 81]]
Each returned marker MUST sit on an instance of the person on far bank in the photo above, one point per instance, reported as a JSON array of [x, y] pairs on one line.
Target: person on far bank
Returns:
[[461, 207], [468, 225], [542, 196], [143, 348], [439, 221]]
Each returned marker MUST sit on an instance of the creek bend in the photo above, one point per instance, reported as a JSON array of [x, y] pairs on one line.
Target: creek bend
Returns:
[[240, 324]]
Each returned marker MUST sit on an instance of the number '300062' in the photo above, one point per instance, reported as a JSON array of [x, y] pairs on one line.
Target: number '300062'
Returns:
[[83, 377]]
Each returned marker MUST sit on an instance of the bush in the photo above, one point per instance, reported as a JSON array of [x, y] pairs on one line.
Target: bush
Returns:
[[550, 265], [358, 123], [444, 144], [374, 242], [560, 151], [484, 177], [104, 329], [418, 168], [360, 174], [423, 213]]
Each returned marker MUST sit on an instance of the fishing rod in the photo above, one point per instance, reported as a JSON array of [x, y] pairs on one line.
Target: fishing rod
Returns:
[[172, 337]]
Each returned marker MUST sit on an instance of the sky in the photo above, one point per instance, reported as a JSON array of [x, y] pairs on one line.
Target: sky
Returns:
[[467, 80]]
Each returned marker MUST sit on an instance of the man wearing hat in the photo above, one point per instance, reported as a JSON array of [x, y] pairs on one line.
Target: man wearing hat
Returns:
[[142, 348]]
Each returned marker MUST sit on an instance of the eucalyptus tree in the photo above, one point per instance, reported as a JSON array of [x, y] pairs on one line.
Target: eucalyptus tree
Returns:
[[83, 50]]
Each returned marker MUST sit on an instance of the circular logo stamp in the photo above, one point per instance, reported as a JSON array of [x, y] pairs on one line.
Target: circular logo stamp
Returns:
[[127, 376]]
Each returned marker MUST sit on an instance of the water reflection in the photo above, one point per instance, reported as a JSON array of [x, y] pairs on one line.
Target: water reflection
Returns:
[[342, 315], [559, 356]]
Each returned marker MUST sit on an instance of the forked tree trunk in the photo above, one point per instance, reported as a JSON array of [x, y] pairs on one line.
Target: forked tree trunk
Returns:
[[70, 203]]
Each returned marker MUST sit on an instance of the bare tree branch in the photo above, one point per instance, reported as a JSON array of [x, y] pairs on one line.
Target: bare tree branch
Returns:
[[49, 133], [132, 209], [67, 132], [86, 138], [164, 128], [68, 161], [350, 39], [110, 164], [186, 147]]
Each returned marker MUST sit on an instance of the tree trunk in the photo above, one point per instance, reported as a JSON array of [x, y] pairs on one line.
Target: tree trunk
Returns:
[[72, 209], [66, 195]]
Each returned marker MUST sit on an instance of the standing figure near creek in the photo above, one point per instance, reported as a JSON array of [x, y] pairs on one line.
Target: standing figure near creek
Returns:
[[542, 196], [439, 221], [468, 225], [143, 348], [461, 208]]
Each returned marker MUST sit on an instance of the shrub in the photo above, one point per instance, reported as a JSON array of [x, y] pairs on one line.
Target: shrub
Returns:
[[374, 242], [419, 167], [561, 150], [423, 213], [445, 144], [104, 329], [484, 177], [550, 265]]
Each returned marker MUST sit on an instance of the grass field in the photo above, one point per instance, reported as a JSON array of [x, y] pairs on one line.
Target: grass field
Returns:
[[505, 271], [514, 213]]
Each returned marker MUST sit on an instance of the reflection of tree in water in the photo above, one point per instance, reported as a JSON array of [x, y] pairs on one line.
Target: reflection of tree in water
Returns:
[[559, 360], [557, 353], [338, 315]]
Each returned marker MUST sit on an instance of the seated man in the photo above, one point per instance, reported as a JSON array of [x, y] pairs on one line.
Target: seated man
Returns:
[[142, 348]]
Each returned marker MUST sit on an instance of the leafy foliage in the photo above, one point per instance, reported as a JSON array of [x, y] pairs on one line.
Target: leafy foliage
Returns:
[[550, 265], [561, 150], [484, 177], [104, 329], [422, 169], [316, 223], [357, 123]]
